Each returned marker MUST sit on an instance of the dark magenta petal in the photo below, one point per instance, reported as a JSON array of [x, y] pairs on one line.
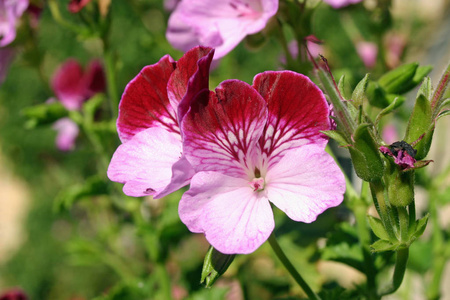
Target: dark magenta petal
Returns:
[[69, 85], [95, 79], [221, 129], [190, 77], [145, 102], [297, 109]]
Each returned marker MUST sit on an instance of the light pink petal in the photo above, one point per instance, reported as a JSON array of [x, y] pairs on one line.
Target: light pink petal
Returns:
[[68, 84], [341, 3], [221, 129], [145, 103], [10, 12], [218, 23], [67, 134], [233, 218], [368, 52], [145, 164], [298, 111], [190, 77], [305, 182]]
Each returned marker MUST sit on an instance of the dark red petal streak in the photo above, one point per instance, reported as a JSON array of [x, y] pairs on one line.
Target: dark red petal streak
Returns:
[[297, 111], [190, 77], [221, 129], [145, 103]]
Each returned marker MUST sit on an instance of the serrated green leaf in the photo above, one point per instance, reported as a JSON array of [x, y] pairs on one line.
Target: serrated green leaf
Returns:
[[359, 93], [378, 228], [383, 245]]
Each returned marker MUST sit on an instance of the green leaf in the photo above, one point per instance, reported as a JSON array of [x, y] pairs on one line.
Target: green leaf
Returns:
[[398, 80], [398, 100], [337, 136], [359, 93], [376, 95], [44, 114], [421, 224], [426, 89], [383, 245], [341, 86], [214, 265], [378, 228], [419, 124], [365, 154]]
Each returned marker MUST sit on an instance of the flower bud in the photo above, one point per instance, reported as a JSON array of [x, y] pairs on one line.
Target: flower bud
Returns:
[[214, 265], [395, 81]]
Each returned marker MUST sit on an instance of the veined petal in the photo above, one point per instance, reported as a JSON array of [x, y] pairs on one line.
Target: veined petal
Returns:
[[190, 77], [221, 129], [145, 164], [145, 102], [233, 218], [305, 182], [218, 23], [297, 109]]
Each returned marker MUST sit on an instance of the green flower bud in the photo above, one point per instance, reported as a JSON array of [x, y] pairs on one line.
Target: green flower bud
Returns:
[[214, 265], [400, 186], [398, 81]]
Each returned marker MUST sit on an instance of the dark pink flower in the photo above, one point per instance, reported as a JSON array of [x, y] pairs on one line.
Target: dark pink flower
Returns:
[[150, 160], [341, 3], [252, 146], [73, 86], [76, 5], [14, 294], [217, 23], [10, 12], [402, 152]]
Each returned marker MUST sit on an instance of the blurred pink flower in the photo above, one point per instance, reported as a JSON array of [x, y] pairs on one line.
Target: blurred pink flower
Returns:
[[222, 24], [341, 3], [395, 46], [76, 5], [390, 134], [368, 52], [72, 86], [14, 294], [10, 12], [6, 57], [67, 134], [150, 160], [252, 146]]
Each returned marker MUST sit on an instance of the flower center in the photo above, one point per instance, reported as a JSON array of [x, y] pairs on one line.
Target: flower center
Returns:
[[257, 184]]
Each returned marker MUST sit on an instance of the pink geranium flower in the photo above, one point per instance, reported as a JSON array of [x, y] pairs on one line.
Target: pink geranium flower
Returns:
[[252, 146], [368, 52], [73, 86], [217, 23], [10, 12], [150, 160], [341, 3]]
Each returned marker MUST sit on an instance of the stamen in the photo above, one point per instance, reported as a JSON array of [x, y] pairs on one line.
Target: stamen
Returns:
[[257, 184]]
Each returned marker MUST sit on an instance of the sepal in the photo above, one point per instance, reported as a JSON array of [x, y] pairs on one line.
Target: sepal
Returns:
[[214, 265], [359, 93], [365, 155], [338, 136]]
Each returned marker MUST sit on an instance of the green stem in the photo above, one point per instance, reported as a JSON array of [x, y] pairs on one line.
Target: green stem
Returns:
[[365, 240], [378, 195], [164, 280], [404, 223], [111, 81], [399, 272], [291, 269]]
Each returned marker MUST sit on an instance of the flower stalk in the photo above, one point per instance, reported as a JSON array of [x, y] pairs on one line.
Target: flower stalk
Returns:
[[291, 269]]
